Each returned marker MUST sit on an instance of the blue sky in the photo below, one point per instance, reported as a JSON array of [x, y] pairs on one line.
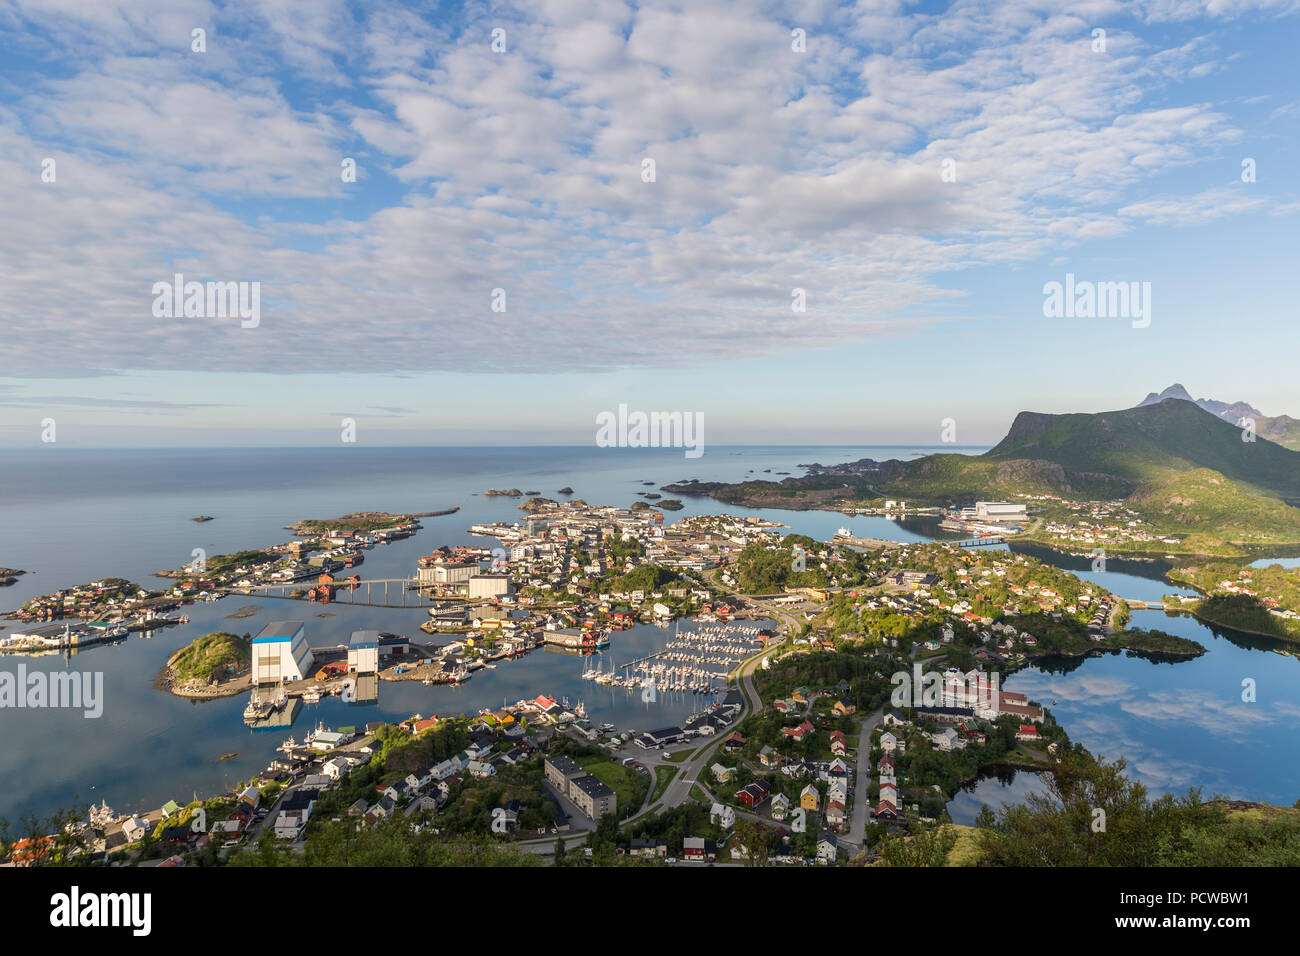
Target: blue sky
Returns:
[[521, 170]]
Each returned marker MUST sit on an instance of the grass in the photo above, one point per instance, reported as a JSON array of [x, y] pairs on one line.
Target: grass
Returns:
[[663, 777], [966, 851], [629, 786]]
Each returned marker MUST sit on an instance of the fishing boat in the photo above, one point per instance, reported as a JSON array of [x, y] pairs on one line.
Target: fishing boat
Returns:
[[290, 745], [311, 695]]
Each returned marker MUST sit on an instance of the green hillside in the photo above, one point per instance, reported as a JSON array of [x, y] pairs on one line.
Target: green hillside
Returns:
[[1213, 508], [1283, 429]]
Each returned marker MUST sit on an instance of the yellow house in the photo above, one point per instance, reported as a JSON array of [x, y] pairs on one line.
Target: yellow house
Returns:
[[810, 799], [842, 708]]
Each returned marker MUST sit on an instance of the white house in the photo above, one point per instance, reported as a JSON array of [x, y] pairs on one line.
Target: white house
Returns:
[[723, 815], [780, 806], [134, 828], [828, 848]]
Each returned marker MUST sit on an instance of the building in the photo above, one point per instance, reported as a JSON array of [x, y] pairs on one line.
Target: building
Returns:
[[1000, 511], [450, 572], [490, 586], [809, 798], [363, 652], [699, 849], [280, 653], [828, 849], [569, 778], [591, 796]]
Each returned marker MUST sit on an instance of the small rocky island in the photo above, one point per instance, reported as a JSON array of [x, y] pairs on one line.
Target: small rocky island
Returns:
[[202, 518], [362, 521], [214, 665], [507, 493], [566, 490], [8, 576]]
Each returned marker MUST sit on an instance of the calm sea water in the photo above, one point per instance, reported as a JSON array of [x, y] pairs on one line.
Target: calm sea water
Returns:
[[69, 516]]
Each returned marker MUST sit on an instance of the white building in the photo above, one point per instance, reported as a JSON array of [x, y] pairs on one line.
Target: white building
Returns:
[[280, 653], [490, 585], [999, 511], [450, 572], [363, 652]]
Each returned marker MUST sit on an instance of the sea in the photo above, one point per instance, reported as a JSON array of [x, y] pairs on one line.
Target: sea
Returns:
[[70, 516]]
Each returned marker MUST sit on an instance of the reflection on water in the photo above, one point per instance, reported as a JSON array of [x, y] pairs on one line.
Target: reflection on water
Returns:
[[81, 515], [1004, 786]]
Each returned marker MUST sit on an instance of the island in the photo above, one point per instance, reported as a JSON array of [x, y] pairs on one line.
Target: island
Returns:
[[362, 521], [214, 665], [507, 493], [202, 518], [9, 575]]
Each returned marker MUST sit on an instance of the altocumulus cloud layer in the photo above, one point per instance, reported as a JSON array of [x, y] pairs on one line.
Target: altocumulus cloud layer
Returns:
[[522, 170]]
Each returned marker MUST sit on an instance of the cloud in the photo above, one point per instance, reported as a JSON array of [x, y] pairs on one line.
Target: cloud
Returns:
[[523, 172]]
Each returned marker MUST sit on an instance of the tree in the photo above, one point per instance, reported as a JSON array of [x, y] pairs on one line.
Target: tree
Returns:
[[924, 846]]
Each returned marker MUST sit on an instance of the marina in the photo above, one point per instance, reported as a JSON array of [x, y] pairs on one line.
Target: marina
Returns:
[[92, 758]]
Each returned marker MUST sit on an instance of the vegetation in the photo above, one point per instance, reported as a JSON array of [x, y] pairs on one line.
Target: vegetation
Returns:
[[210, 657], [1094, 815], [391, 842], [1245, 611]]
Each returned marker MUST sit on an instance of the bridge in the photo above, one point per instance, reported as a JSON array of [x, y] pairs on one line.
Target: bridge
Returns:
[[405, 594], [979, 542]]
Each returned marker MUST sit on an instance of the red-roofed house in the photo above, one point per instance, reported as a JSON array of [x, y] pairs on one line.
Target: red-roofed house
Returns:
[[800, 732]]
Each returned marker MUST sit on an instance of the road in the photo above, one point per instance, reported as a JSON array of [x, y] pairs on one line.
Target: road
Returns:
[[689, 771], [858, 821]]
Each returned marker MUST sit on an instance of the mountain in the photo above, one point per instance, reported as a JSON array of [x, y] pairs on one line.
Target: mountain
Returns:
[[1149, 443], [1233, 412], [1282, 429], [1184, 469]]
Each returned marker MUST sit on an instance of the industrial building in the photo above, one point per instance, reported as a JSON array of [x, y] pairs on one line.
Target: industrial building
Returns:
[[280, 653], [490, 586], [363, 652], [999, 511], [450, 572]]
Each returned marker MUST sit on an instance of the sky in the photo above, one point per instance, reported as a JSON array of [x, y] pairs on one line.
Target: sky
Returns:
[[562, 207]]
